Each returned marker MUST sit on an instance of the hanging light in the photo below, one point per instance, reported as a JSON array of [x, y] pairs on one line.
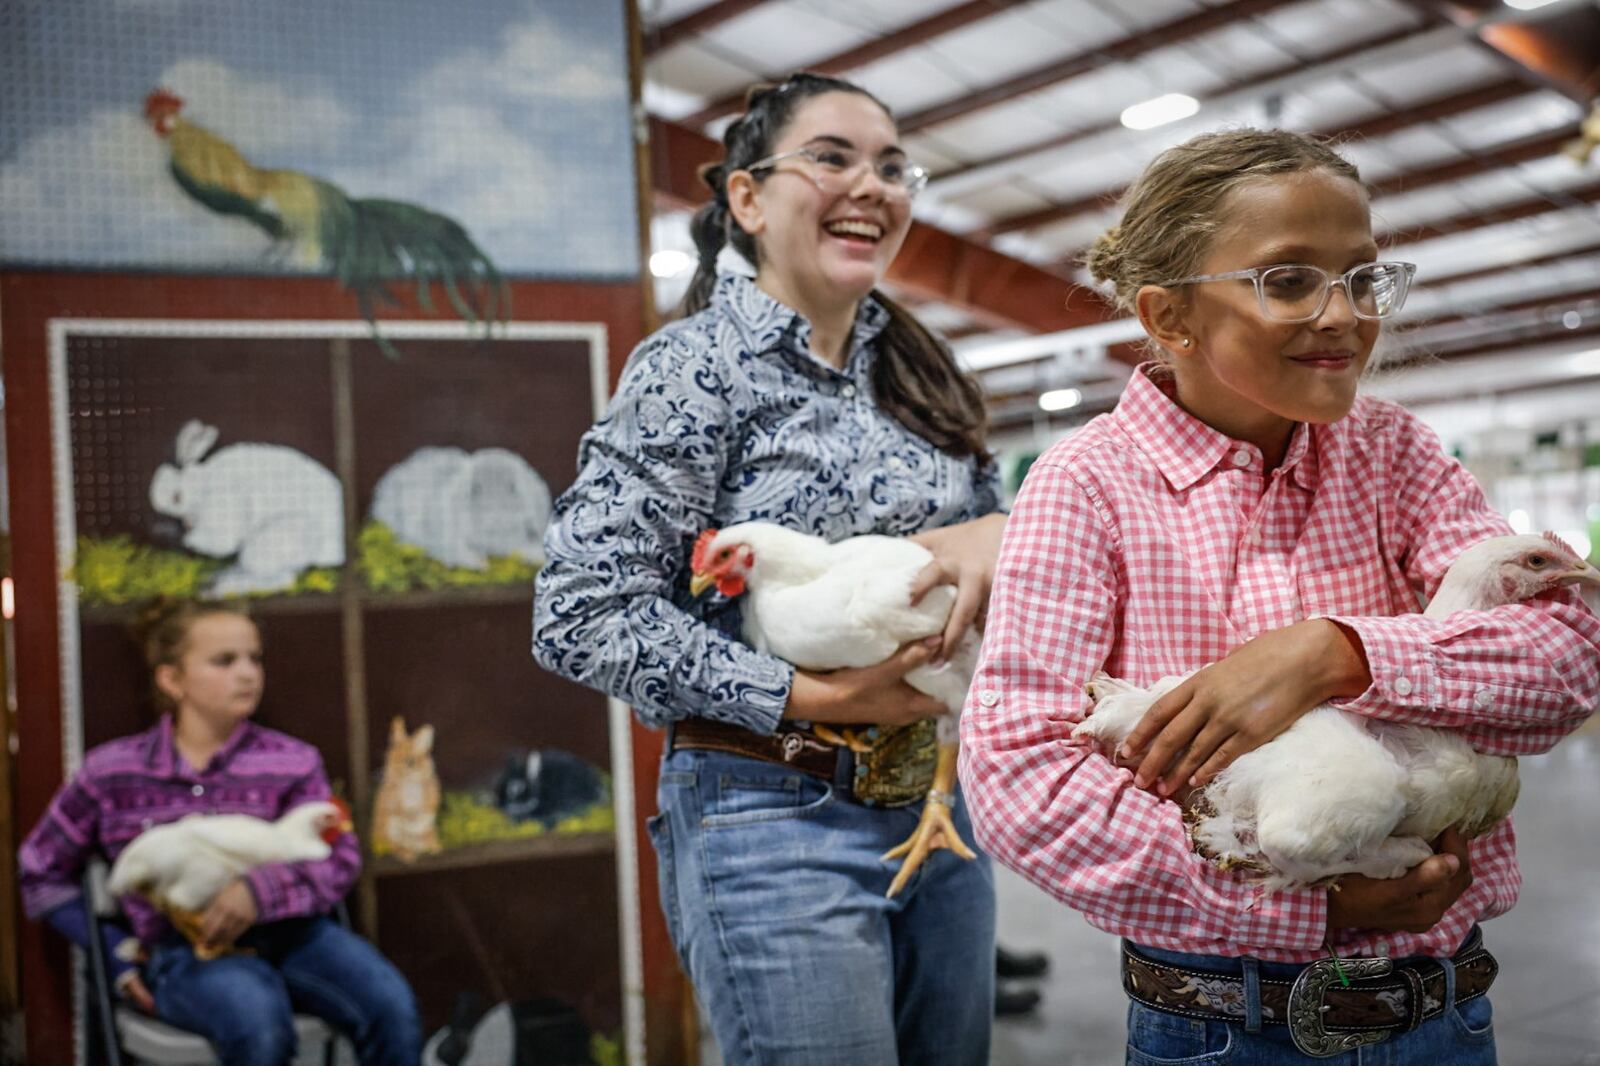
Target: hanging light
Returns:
[[1159, 111]]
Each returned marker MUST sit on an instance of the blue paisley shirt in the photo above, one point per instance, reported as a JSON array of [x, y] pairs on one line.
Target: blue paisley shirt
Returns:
[[720, 418]]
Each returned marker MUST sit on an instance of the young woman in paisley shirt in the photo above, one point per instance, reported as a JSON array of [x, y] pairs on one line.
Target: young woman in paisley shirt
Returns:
[[792, 392]]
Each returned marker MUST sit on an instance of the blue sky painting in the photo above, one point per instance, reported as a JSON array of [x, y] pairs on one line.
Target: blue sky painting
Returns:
[[510, 117]]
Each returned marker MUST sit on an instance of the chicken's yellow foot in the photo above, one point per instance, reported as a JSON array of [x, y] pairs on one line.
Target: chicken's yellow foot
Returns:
[[935, 829], [844, 738], [189, 924]]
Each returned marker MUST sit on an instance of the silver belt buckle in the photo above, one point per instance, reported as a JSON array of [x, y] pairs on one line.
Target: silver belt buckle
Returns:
[[1306, 1006]]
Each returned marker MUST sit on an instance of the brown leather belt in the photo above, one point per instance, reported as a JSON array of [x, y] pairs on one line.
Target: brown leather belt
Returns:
[[1324, 1017], [896, 772], [791, 747]]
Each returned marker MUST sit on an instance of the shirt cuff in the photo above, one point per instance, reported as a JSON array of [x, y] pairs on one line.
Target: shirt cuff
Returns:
[[1401, 658]]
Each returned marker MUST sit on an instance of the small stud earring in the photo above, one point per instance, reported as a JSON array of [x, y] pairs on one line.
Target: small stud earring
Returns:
[[1186, 342]]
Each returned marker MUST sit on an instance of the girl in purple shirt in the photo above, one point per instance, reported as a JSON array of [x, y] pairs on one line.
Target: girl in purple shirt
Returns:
[[206, 756]]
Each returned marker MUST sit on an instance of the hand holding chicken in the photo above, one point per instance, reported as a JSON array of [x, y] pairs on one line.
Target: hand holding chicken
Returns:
[[190, 869], [826, 607], [1334, 792]]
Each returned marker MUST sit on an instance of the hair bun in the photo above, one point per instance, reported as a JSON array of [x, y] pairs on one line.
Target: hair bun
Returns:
[[1104, 255]]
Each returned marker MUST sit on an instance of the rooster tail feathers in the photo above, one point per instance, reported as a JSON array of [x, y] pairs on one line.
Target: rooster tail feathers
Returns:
[[371, 243]]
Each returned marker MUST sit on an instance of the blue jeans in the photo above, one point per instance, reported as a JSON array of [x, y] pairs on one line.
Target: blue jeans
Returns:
[[773, 887], [1461, 1036], [244, 1004]]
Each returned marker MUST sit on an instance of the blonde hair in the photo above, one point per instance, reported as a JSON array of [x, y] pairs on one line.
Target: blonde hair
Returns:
[[1173, 211], [162, 633]]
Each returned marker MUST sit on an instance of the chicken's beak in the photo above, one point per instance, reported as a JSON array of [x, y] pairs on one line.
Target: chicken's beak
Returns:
[[346, 826], [1582, 575], [699, 583]]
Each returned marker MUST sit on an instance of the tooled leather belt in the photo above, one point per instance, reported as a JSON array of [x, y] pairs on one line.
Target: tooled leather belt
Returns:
[[897, 771], [1324, 1017]]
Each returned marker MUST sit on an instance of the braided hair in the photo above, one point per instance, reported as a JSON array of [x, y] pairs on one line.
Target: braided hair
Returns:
[[915, 378]]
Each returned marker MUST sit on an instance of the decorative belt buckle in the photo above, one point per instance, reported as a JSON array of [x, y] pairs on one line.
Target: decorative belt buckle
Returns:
[[1306, 1006], [899, 769]]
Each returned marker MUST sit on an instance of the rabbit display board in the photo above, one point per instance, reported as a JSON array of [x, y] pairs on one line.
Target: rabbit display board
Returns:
[[405, 814], [464, 508], [274, 510]]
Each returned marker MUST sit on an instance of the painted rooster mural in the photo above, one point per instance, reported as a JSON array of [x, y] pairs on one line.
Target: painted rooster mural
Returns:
[[366, 244]]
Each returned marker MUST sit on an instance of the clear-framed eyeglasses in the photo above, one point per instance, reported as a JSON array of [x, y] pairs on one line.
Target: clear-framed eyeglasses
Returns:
[[834, 169], [1298, 292]]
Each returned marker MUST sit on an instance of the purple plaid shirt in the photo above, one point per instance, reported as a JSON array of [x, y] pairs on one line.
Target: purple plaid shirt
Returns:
[[132, 783]]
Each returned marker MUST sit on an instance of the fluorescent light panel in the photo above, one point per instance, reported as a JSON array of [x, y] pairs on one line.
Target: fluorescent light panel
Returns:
[[1160, 111]]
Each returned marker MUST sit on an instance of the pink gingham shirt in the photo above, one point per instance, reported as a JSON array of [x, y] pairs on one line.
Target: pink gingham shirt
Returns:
[[1149, 544]]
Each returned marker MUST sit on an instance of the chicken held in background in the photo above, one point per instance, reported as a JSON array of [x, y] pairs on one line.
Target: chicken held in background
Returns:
[[180, 866], [847, 604], [1339, 793]]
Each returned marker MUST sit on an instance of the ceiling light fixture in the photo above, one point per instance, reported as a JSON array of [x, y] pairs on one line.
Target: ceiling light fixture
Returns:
[[1060, 399], [1160, 111], [1527, 5]]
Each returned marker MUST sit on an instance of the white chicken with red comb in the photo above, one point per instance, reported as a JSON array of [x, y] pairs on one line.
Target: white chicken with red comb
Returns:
[[180, 866], [1339, 793], [825, 606]]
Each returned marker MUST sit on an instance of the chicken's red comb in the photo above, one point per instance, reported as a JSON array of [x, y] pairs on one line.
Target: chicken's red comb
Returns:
[[1563, 545], [702, 544], [161, 101]]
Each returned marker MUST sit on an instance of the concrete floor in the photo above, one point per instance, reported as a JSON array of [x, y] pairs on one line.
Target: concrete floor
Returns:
[[1547, 998]]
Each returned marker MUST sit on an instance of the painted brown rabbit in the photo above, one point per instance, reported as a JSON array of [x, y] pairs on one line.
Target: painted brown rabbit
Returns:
[[406, 811]]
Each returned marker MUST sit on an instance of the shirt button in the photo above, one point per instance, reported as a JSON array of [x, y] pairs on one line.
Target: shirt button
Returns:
[[1402, 686], [1483, 699], [988, 697], [896, 464], [1241, 458], [198, 790], [848, 391]]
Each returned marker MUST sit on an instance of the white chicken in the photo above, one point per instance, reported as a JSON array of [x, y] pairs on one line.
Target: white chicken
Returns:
[[1337, 793], [181, 865], [825, 606]]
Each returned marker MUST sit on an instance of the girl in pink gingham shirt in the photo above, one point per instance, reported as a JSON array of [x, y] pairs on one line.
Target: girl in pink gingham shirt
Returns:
[[1243, 507]]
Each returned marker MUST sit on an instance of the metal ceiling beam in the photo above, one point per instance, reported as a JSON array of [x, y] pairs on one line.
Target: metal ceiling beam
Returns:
[[1478, 218], [1556, 333], [899, 40], [1524, 151], [1167, 33], [1512, 263], [1437, 108], [695, 23], [933, 264], [1556, 47]]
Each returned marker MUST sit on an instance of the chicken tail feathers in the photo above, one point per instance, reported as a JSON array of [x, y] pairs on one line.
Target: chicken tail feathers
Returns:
[[371, 244]]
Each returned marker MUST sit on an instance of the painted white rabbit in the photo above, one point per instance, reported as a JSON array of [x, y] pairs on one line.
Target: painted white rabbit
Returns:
[[277, 509], [462, 508]]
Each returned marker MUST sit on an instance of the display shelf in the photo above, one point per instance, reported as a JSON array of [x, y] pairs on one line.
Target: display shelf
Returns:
[[491, 852]]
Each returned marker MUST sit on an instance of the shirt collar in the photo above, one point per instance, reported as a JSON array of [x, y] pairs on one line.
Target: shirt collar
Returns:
[[1185, 449], [162, 753], [768, 325]]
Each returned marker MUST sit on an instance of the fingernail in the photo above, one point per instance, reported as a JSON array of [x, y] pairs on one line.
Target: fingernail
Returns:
[[1452, 863], [933, 641], [1124, 752], [1139, 781], [1194, 782]]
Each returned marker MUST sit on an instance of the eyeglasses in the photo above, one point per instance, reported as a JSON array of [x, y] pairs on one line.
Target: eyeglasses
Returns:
[[834, 169], [1297, 292]]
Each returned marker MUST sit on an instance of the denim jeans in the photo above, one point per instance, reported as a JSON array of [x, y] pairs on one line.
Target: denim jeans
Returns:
[[1461, 1036], [244, 1004], [773, 886]]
